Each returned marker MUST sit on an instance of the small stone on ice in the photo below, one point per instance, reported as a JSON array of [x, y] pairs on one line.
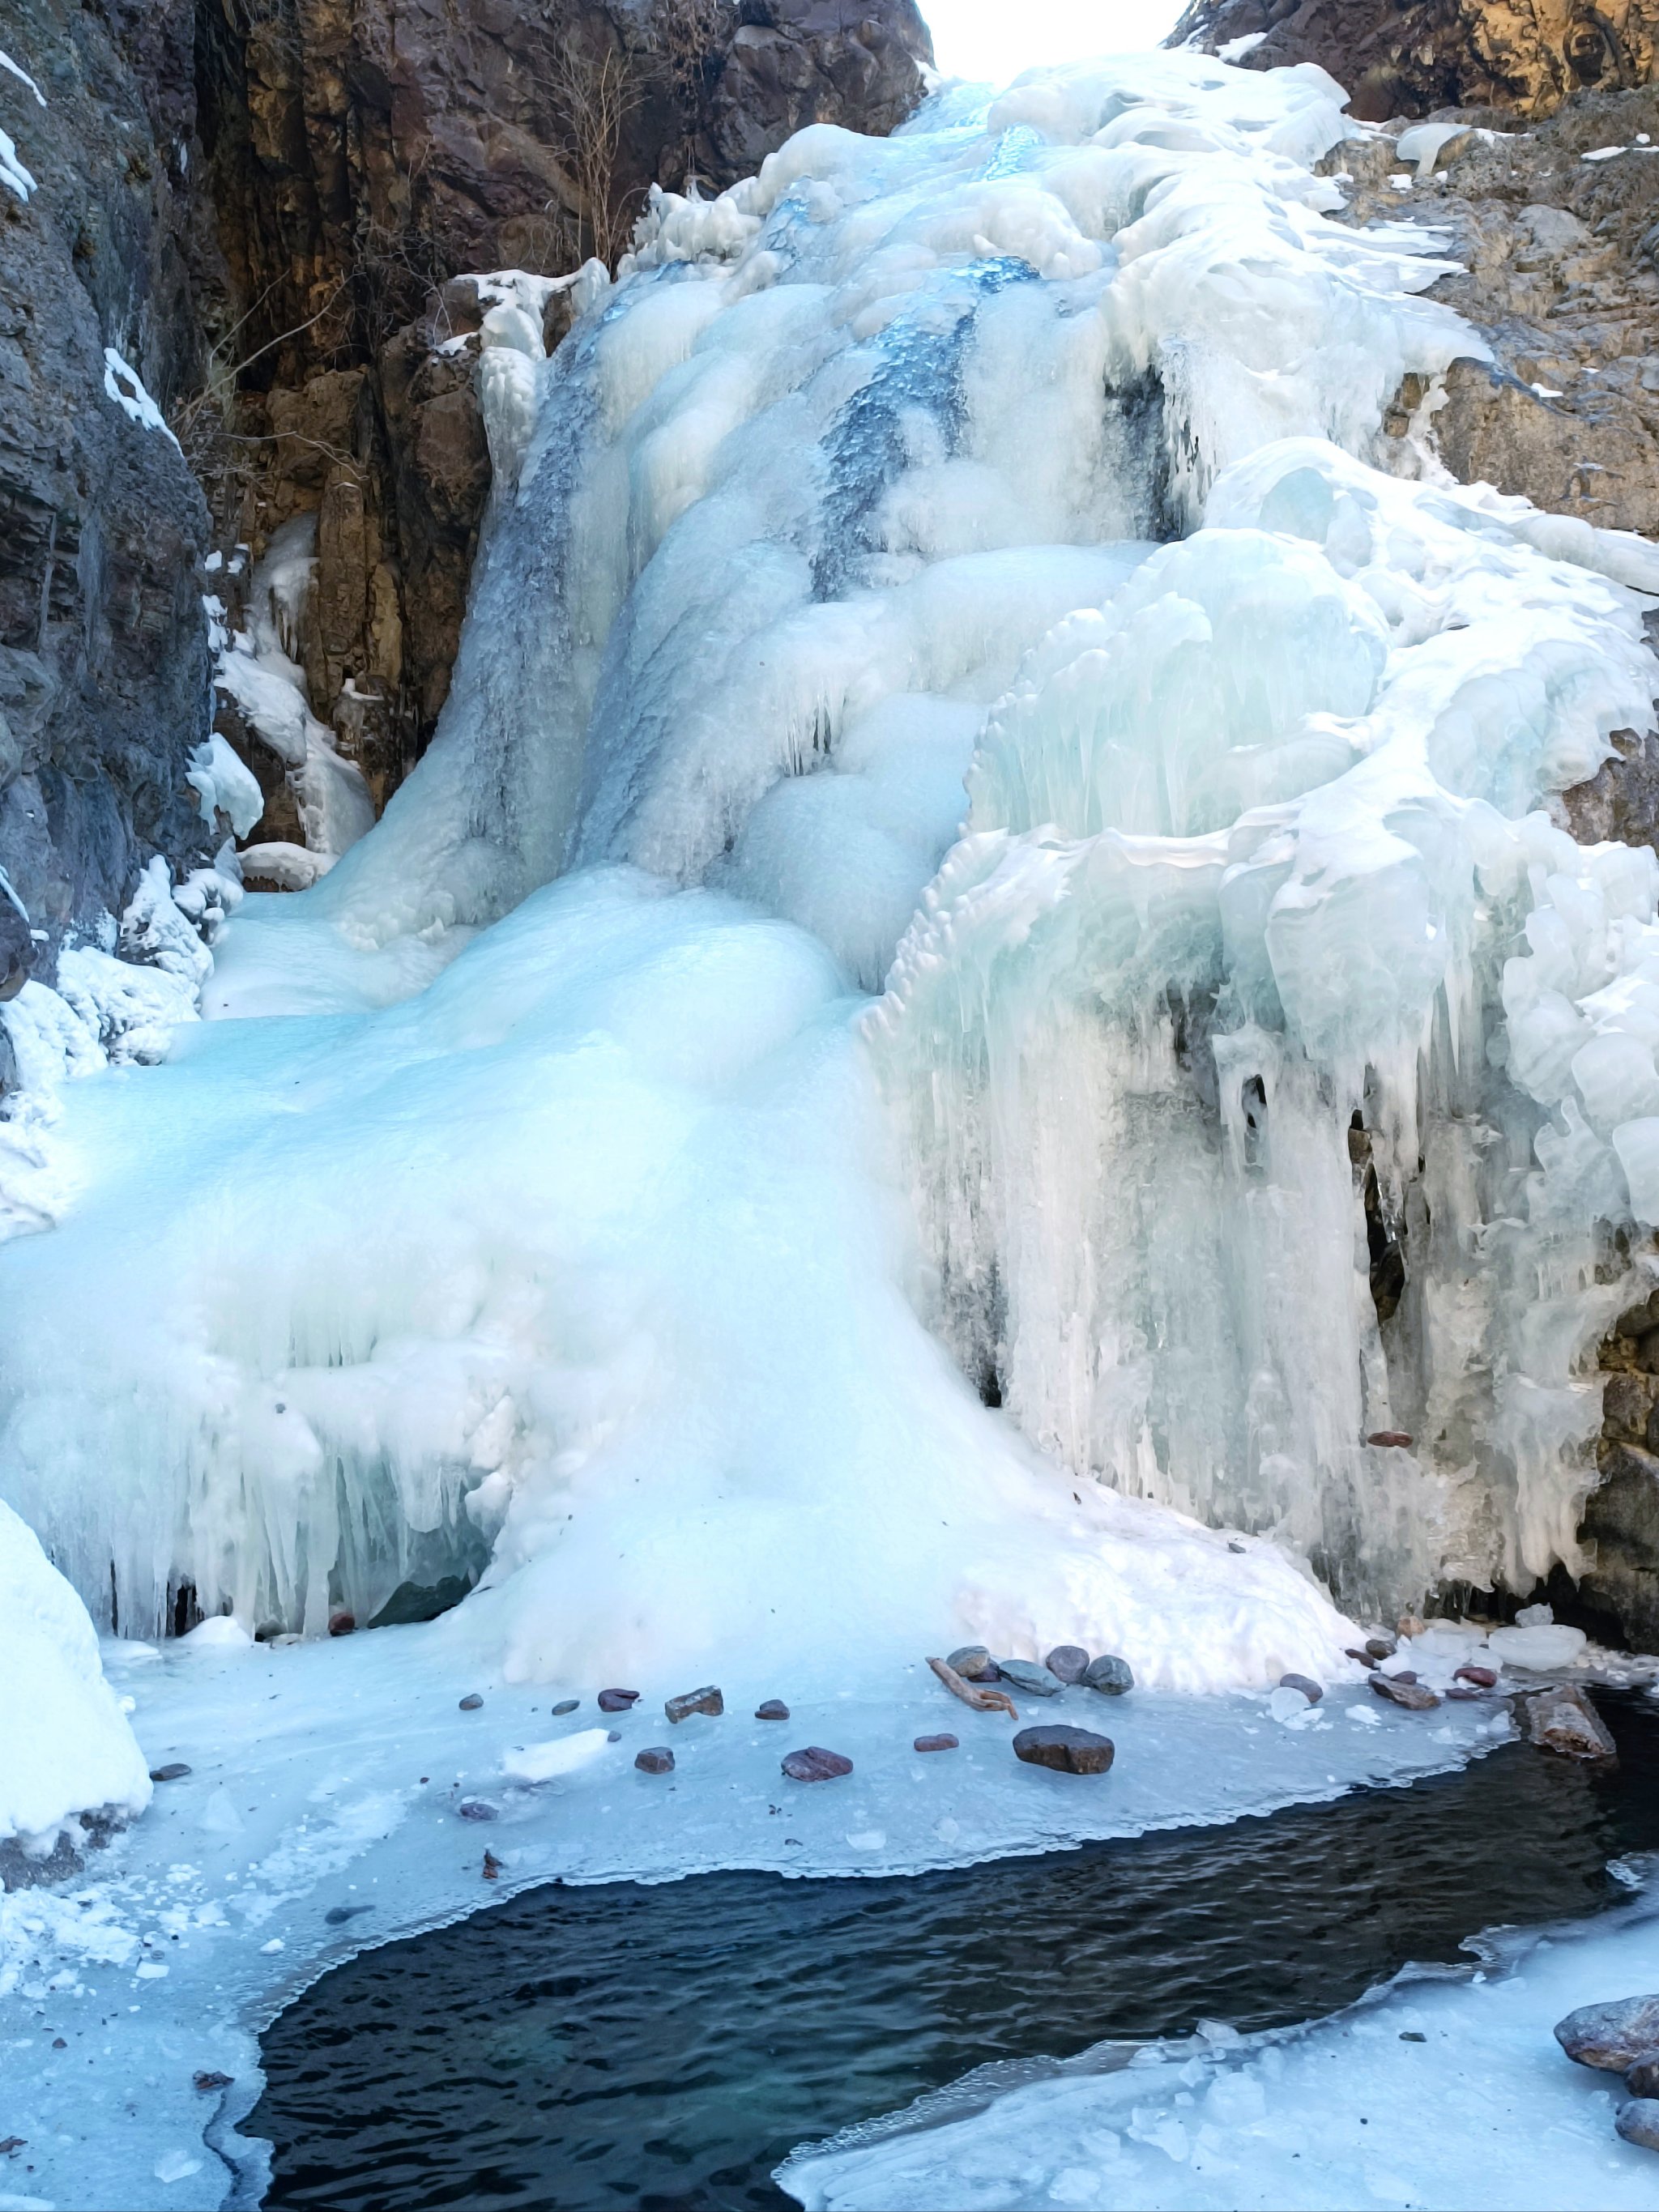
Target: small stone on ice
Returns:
[[342, 1624], [1412, 2035], [1110, 1676], [1065, 1750], [174, 1771], [337, 1915], [618, 1701], [1233, 1544], [477, 1809], [1395, 1438], [1638, 2121], [1484, 1678], [1025, 1675], [1614, 2035], [1066, 1662], [973, 1663], [206, 2082], [564, 1706], [773, 1710], [937, 1743], [657, 1760], [707, 1700], [1413, 1694], [814, 1764], [1380, 1647], [492, 1866], [1309, 1689], [470, 1702]]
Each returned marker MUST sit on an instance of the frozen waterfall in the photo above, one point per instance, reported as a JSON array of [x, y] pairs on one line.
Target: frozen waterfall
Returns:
[[566, 1206]]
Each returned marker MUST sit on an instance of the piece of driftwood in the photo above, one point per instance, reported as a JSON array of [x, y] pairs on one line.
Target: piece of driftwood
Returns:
[[982, 1701]]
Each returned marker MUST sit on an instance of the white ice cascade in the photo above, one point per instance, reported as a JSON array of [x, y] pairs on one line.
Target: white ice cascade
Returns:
[[1037, 446]]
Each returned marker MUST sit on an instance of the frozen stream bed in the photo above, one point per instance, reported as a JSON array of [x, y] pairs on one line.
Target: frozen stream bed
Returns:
[[306, 1795]]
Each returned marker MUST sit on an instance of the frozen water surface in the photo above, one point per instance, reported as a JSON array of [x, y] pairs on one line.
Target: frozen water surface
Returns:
[[306, 1794]]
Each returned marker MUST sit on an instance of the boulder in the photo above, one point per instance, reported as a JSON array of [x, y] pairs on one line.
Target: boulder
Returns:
[[1065, 1750], [1565, 1721], [657, 1760], [814, 1764], [1025, 1675], [618, 1701], [707, 1700], [1615, 2035], [1066, 1662], [1415, 1696], [1638, 2121], [1110, 1675], [1310, 1689], [973, 1663]]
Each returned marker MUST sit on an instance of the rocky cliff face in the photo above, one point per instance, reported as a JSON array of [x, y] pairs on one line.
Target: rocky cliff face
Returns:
[[1525, 56], [257, 207], [103, 656]]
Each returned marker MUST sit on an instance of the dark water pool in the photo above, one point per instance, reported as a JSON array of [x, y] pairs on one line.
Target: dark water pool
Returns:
[[664, 2047]]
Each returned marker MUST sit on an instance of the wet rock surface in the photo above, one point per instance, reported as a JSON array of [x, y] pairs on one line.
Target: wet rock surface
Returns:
[[707, 1700], [1404, 1690], [1065, 1750]]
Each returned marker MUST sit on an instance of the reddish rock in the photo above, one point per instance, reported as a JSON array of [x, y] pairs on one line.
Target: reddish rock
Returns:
[[618, 1701], [342, 1624], [814, 1764], [773, 1710], [1614, 2036], [937, 1743], [1483, 1678], [1396, 1438], [492, 1866], [707, 1700], [1067, 1662], [657, 1760]]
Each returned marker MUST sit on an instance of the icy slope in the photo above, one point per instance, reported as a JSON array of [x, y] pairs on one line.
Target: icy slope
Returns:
[[621, 1294], [65, 1745]]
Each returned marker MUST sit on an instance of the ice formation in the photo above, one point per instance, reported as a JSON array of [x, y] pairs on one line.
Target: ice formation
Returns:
[[576, 1230], [66, 1747]]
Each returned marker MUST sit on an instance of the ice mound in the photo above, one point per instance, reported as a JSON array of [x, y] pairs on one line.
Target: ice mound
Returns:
[[65, 1745], [581, 1263]]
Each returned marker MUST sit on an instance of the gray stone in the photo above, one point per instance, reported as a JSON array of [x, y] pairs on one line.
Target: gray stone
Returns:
[[564, 1706], [337, 1915], [1614, 2035], [1638, 2121], [1381, 1647], [1414, 1695], [174, 1771], [1111, 1676], [208, 2080], [1065, 1750], [973, 1663], [774, 1709], [477, 1809], [1025, 1675], [814, 1764], [1310, 1689], [1565, 1720], [1066, 1662], [657, 1760], [707, 1700], [471, 1702]]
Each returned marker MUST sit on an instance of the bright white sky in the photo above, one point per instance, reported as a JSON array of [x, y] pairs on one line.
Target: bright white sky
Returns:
[[998, 39]]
